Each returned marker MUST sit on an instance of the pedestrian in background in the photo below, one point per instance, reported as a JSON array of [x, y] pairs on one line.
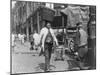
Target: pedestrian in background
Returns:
[[19, 37], [13, 40], [36, 38], [22, 38], [31, 42]]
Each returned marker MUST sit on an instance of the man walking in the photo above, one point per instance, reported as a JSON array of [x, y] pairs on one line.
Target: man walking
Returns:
[[47, 38]]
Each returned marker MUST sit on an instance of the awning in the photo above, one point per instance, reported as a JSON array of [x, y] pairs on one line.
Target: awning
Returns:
[[76, 14]]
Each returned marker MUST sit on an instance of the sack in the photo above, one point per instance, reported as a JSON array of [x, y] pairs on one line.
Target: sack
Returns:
[[49, 38]]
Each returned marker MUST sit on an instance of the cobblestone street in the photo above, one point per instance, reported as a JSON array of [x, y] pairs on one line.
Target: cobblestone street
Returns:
[[26, 61]]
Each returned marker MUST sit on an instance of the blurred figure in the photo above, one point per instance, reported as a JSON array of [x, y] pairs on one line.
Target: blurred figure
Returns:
[[31, 41], [13, 39], [36, 38], [13, 36], [22, 38], [19, 37]]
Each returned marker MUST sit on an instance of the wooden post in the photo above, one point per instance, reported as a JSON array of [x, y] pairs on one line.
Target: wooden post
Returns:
[[27, 26], [38, 24], [63, 27], [31, 25], [27, 32]]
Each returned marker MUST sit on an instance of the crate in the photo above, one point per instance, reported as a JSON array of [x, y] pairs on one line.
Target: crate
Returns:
[[59, 53]]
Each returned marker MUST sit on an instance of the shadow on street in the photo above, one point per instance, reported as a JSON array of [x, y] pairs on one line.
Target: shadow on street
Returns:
[[41, 66]]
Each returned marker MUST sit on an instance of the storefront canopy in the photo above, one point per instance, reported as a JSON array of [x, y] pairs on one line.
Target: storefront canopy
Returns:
[[76, 14]]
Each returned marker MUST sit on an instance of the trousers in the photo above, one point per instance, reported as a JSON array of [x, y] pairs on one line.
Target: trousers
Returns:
[[47, 53]]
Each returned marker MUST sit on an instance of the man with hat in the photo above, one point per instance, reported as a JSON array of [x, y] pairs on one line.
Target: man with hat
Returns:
[[82, 46]]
